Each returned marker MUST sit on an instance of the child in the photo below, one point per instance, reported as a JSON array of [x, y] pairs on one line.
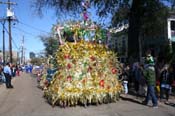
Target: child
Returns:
[[124, 77]]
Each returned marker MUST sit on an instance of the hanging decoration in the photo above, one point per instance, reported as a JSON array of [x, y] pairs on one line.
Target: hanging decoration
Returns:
[[85, 5]]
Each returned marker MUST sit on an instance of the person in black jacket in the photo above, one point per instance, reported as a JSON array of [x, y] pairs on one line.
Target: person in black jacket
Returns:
[[165, 82]]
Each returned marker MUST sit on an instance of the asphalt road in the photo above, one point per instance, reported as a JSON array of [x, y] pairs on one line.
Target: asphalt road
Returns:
[[27, 100]]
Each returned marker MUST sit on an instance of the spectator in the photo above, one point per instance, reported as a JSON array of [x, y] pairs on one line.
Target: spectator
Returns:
[[165, 82], [8, 75], [17, 70], [13, 68], [142, 82], [149, 74], [30, 68], [2, 77], [137, 77], [124, 77]]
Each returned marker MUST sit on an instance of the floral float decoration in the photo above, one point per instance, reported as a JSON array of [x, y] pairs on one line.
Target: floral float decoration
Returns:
[[88, 71], [87, 74]]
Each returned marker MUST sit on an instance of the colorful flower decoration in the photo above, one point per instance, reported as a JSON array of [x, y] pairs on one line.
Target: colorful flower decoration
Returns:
[[89, 76]]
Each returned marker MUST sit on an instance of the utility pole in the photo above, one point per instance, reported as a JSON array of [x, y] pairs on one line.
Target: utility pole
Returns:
[[22, 51], [3, 33], [3, 38], [10, 36], [24, 56], [10, 17]]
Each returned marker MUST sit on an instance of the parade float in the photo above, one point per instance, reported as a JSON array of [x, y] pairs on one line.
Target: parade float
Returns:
[[87, 70]]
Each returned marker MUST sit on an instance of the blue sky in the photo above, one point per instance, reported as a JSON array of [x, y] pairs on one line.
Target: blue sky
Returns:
[[30, 26]]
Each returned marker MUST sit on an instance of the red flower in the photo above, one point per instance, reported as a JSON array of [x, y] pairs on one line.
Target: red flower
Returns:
[[83, 81], [102, 83], [114, 70], [69, 66], [92, 58], [46, 83], [108, 87], [66, 56], [89, 69], [69, 78]]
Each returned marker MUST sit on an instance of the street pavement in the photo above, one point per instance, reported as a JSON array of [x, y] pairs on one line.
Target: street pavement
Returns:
[[25, 99]]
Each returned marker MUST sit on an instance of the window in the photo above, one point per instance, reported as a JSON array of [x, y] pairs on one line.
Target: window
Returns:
[[173, 25]]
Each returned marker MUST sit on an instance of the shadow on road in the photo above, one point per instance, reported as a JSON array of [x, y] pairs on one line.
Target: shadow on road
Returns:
[[134, 100], [170, 104]]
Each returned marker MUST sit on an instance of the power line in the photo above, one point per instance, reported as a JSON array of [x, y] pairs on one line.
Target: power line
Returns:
[[11, 38], [25, 31], [33, 27], [15, 44], [12, 3]]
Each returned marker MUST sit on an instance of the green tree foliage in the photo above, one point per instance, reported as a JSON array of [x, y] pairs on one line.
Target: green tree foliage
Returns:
[[154, 18], [62, 7], [37, 61], [51, 45]]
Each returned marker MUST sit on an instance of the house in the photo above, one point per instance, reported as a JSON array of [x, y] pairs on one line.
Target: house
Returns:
[[119, 41]]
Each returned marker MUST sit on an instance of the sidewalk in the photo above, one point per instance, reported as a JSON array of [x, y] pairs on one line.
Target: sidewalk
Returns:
[[3, 86], [139, 100]]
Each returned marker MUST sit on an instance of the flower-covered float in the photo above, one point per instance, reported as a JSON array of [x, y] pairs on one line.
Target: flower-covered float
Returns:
[[87, 70]]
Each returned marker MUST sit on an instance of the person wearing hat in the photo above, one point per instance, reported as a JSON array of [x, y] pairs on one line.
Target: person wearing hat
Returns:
[[150, 77], [149, 60], [8, 75]]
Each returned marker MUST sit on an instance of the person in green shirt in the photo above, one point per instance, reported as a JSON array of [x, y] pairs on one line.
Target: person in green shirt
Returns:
[[150, 77]]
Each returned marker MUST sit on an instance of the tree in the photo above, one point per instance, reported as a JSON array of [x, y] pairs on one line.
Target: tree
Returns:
[[51, 45], [37, 61], [172, 4], [148, 21], [135, 9]]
